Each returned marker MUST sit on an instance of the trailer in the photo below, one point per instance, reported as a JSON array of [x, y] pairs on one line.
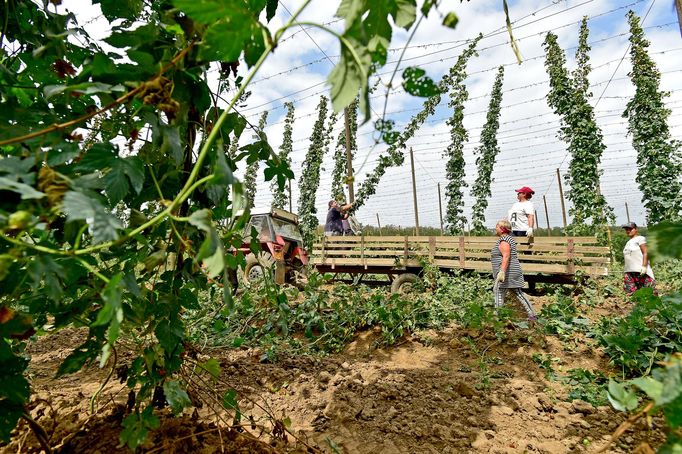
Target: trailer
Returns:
[[400, 259]]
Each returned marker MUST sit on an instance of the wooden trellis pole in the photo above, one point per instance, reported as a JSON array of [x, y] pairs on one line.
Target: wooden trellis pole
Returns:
[[549, 228], [561, 195], [414, 193], [440, 211]]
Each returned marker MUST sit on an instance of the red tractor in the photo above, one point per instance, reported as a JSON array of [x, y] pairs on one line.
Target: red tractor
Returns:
[[281, 243]]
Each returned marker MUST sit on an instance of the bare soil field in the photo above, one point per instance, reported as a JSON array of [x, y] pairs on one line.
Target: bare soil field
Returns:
[[434, 392]]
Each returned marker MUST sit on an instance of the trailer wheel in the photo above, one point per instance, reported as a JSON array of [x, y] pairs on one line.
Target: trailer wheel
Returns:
[[403, 283], [257, 266]]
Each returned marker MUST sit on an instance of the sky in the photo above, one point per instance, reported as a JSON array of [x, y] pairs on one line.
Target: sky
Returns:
[[530, 151]]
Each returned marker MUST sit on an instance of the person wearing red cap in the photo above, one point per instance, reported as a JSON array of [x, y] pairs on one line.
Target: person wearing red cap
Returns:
[[522, 214]]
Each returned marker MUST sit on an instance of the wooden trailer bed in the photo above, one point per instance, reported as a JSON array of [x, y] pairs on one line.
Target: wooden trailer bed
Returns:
[[543, 259]]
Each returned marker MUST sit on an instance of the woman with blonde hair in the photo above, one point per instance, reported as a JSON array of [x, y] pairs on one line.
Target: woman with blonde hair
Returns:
[[507, 269]]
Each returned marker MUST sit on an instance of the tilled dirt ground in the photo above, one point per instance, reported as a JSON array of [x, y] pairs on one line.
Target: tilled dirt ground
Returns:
[[450, 391]]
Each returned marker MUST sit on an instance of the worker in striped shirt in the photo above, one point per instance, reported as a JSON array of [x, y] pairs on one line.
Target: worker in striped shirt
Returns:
[[507, 269]]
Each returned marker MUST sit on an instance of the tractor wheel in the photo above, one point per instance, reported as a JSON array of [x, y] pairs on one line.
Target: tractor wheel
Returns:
[[298, 275], [403, 283], [257, 265]]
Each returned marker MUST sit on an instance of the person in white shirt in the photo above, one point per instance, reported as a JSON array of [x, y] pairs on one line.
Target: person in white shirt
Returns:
[[522, 214], [638, 272]]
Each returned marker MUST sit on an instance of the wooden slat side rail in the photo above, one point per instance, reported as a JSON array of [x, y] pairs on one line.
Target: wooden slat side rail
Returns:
[[557, 255], [484, 256], [594, 251], [357, 261], [598, 250], [376, 253], [455, 239]]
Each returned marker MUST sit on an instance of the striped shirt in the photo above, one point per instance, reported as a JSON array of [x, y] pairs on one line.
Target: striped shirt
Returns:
[[514, 275]]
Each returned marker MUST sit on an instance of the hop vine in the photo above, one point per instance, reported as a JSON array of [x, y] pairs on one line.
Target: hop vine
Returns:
[[568, 96], [232, 157], [487, 153], [310, 176], [280, 198], [339, 167], [658, 154], [252, 169], [329, 132], [394, 155], [340, 159], [454, 191]]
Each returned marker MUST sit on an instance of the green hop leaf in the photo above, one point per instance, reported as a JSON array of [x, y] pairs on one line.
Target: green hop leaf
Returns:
[[622, 398], [417, 83], [451, 20], [176, 396]]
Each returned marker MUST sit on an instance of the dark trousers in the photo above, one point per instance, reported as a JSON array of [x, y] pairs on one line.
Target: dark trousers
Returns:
[[518, 232]]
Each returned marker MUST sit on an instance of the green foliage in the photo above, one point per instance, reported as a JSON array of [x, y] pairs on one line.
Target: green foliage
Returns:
[[368, 31], [665, 240], [586, 385], [654, 328], [394, 155], [486, 154], [635, 342], [451, 20], [252, 169], [310, 177], [561, 318], [621, 398], [417, 83], [568, 96], [136, 427], [280, 197], [176, 396], [618, 240], [118, 234], [546, 361], [391, 230], [15, 388], [658, 161], [323, 318], [664, 389], [455, 220], [122, 238]]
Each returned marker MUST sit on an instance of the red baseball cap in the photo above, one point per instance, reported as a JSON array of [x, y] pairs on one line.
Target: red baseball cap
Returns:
[[526, 190]]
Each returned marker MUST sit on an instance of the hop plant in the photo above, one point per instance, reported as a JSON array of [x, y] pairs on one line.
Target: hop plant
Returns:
[[658, 154], [279, 196], [487, 153]]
